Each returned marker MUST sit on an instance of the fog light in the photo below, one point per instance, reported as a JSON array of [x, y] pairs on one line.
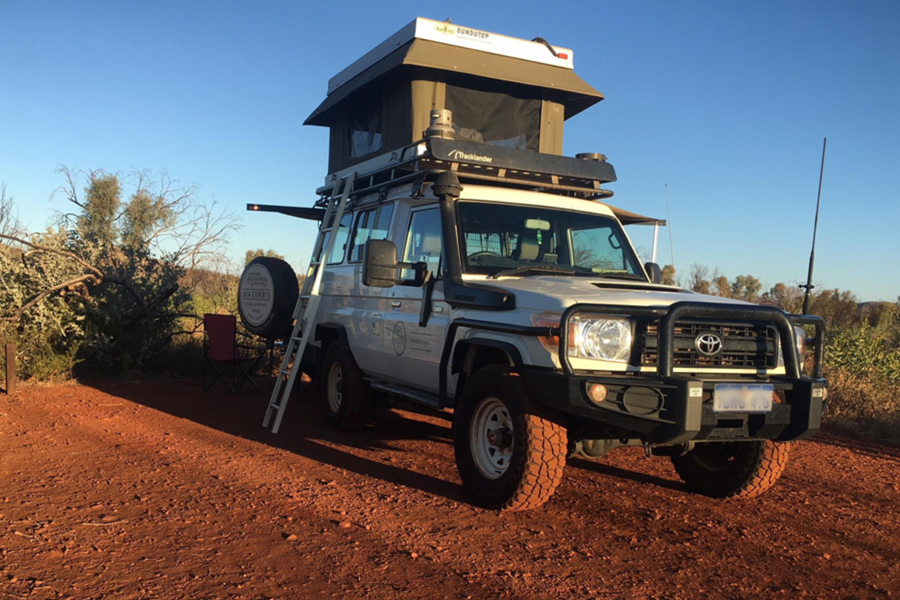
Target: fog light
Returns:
[[596, 392]]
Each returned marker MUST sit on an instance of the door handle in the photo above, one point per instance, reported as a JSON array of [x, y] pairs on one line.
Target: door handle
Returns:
[[395, 304]]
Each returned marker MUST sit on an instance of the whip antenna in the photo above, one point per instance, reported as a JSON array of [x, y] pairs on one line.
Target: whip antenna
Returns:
[[812, 254], [669, 227]]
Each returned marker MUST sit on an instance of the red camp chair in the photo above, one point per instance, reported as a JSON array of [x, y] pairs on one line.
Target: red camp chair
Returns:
[[223, 353]]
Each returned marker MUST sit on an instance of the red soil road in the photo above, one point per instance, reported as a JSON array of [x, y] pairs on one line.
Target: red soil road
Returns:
[[156, 490]]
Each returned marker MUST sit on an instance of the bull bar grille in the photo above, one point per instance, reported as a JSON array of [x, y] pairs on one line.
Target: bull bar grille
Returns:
[[746, 345]]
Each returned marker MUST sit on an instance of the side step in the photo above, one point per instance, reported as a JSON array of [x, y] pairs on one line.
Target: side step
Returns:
[[419, 397]]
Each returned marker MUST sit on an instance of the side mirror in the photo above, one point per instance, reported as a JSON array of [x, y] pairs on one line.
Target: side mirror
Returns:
[[654, 272], [380, 266]]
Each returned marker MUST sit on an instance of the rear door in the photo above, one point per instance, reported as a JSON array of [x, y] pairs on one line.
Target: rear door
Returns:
[[365, 306]]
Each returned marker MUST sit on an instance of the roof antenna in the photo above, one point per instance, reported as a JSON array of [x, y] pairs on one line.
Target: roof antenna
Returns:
[[812, 254], [669, 227]]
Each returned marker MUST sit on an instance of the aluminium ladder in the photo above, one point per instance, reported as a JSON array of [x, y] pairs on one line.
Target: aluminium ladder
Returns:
[[308, 305]]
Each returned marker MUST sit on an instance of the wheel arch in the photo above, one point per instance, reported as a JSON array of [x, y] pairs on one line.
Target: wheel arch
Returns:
[[469, 355], [328, 332]]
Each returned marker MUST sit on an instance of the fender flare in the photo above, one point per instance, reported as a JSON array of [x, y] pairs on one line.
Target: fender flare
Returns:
[[340, 332], [462, 348]]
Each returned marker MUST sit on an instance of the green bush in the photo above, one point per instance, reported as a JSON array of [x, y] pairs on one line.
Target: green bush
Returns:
[[866, 404], [863, 371], [103, 291]]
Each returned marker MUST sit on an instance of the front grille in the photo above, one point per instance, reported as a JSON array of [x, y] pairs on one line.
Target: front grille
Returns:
[[746, 345]]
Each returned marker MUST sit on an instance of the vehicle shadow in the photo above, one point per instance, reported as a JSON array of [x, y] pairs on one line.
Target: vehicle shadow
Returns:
[[856, 442], [303, 431], [606, 469]]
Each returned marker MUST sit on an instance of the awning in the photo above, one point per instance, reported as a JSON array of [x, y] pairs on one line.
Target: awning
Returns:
[[626, 217], [562, 84]]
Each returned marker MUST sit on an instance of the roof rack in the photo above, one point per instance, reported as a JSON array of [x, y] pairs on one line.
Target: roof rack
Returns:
[[482, 163]]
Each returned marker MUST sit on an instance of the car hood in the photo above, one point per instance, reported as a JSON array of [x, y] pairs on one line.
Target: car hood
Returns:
[[556, 293]]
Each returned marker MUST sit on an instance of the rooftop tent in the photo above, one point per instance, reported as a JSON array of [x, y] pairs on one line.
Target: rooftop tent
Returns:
[[502, 91]]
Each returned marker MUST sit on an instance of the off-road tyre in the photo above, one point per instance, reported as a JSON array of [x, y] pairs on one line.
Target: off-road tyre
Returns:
[[346, 393], [534, 467], [732, 469]]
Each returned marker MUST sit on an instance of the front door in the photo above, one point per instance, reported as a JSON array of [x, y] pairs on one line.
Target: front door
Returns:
[[414, 351]]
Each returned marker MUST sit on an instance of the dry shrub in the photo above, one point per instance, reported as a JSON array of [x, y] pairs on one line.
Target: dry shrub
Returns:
[[865, 404]]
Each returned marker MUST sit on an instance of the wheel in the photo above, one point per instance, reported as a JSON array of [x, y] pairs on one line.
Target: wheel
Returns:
[[732, 469], [510, 453], [346, 394]]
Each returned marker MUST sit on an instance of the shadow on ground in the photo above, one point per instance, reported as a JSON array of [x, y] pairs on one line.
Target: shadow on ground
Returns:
[[304, 433]]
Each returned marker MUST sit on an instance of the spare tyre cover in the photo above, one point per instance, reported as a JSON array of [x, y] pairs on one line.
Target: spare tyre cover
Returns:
[[267, 295]]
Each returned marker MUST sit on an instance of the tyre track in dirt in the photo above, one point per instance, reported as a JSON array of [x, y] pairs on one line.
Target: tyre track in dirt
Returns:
[[154, 489]]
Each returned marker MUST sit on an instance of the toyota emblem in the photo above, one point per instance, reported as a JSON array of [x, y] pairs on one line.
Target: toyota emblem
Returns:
[[708, 344]]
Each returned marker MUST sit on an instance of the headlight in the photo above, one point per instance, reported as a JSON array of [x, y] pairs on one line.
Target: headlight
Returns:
[[800, 345], [602, 338]]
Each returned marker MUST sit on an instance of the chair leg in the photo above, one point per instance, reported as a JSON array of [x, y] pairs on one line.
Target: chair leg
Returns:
[[218, 375], [247, 374]]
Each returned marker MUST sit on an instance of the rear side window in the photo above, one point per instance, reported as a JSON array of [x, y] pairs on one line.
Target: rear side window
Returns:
[[340, 243], [371, 225]]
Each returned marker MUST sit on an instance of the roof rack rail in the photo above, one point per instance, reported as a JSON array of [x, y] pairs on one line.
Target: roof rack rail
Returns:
[[482, 163]]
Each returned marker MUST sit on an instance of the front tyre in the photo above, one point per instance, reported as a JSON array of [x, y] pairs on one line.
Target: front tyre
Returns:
[[509, 452], [732, 469], [346, 391]]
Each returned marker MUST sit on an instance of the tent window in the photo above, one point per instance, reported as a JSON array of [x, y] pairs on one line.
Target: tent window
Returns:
[[366, 124], [495, 118]]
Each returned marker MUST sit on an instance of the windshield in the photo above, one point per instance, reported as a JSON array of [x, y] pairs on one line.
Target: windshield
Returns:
[[503, 239]]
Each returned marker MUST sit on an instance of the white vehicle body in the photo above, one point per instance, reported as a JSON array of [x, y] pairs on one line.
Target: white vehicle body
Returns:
[[472, 266]]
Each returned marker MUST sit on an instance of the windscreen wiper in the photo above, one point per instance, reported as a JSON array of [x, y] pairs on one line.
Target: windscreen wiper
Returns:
[[533, 270]]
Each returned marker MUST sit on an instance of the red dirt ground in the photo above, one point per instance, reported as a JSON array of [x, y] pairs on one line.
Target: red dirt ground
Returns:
[[156, 490]]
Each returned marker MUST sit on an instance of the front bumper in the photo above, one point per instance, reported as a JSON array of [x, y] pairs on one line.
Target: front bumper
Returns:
[[669, 408], [674, 410]]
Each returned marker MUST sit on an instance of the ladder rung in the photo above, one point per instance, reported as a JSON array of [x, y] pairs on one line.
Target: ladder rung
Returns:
[[304, 314]]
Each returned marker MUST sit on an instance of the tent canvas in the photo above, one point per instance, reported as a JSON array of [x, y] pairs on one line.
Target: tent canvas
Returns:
[[384, 102]]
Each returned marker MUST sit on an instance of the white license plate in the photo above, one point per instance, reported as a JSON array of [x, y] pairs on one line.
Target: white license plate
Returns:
[[743, 398]]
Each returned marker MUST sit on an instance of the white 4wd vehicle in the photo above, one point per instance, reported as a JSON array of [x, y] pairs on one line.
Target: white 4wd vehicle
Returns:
[[487, 278]]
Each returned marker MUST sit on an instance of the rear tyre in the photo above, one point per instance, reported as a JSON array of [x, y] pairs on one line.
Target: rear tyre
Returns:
[[346, 392], [732, 469], [509, 451]]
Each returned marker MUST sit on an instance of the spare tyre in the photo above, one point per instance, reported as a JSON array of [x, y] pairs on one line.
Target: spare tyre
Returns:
[[267, 295]]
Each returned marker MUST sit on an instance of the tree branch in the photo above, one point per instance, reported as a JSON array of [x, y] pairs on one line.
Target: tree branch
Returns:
[[21, 312]]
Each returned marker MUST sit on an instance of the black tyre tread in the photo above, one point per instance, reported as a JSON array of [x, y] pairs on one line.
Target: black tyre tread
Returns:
[[755, 474], [543, 466], [536, 471], [353, 414]]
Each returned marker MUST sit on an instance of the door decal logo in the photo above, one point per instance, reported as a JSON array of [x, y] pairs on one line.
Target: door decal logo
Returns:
[[399, 338]]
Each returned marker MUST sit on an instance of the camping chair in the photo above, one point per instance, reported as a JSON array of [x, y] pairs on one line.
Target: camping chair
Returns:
[[223, 353]]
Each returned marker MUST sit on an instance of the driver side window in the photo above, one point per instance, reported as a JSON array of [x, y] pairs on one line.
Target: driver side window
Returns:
[[423, 242]]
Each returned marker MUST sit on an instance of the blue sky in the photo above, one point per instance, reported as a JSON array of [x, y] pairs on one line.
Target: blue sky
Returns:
[[725, 102]]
